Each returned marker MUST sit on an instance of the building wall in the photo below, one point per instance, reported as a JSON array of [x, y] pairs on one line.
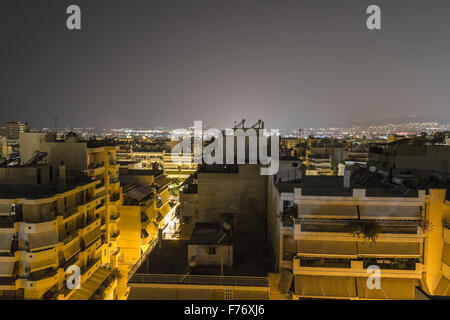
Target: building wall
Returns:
[[224, 254], [130, 234], [273, 221], [74, 154], [242, 194]]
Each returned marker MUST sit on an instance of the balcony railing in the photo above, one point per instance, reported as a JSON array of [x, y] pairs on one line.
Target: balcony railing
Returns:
[[115, 197], [69, 212], [344, 226], [240, 281], [7, 222], [114, 180], [96, 165]]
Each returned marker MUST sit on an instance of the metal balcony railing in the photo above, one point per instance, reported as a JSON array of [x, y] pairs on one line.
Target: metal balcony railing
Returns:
[[201, 280]]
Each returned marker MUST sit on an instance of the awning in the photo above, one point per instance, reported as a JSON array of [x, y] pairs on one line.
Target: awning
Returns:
[[325, 286], [92, 236], [332, 249], [336, 211], [138, 193], [71, 249], [443, 287], [163, 181], [390, 288], [151, 229], [164, 210], [391, 211], [43, 240], [42, 260], [5, 241], [285, 281], [164, 196], [88, 288], [6, 268], [381, 249]]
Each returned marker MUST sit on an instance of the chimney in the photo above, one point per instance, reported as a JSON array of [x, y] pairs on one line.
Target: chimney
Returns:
[[347, 175]]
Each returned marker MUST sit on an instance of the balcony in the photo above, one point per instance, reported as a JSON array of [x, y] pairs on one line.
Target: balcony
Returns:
[[100, 207], [356, 268], [100, 187], [96, 168], [114, 180], [69, 212], [344, 229], [42, 280], [180, 279], [90, 225], [7, 266], [42, 260], [115, 235], [89, 269], [115, 218], [7, 222]]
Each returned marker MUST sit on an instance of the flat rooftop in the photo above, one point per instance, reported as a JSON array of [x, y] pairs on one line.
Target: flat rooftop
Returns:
[[251, 258], [375, 184]]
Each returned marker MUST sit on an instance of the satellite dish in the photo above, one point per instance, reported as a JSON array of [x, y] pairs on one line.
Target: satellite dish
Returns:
[[372, 169]]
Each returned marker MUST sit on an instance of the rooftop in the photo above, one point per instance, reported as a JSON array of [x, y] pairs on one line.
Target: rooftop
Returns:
[[251, 258], [376, 184]]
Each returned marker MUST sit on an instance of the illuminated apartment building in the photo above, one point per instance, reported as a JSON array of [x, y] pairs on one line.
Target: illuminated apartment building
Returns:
[[147, 213], [155, 156], [437, 281], [61, 208], [322, 157], [313, 223], [12, 129]]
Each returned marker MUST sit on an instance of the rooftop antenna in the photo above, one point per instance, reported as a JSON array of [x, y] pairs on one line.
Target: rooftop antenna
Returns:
[[242, 124]]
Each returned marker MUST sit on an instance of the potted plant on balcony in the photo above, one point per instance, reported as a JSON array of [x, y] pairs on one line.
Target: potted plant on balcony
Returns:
[[369, 230], [290, 213]]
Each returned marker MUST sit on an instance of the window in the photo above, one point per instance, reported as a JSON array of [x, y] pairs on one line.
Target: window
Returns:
[[212, 251]]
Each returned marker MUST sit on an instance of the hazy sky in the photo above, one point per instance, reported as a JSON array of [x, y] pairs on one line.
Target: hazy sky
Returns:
[[292, 63]]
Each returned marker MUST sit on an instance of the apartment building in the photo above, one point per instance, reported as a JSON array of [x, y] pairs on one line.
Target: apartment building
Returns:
[[12, 130], [58, 214], [326, 237], [156, 157], [148, 212], [437, 249], [411, 153]]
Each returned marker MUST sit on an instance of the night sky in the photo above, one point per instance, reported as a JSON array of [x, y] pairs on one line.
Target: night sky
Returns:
[[292, 63]]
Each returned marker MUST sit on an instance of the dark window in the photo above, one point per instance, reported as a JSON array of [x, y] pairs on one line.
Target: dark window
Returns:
[[212, 250]]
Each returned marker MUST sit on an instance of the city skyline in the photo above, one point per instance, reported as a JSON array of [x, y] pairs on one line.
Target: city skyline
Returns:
[[292, 64]]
